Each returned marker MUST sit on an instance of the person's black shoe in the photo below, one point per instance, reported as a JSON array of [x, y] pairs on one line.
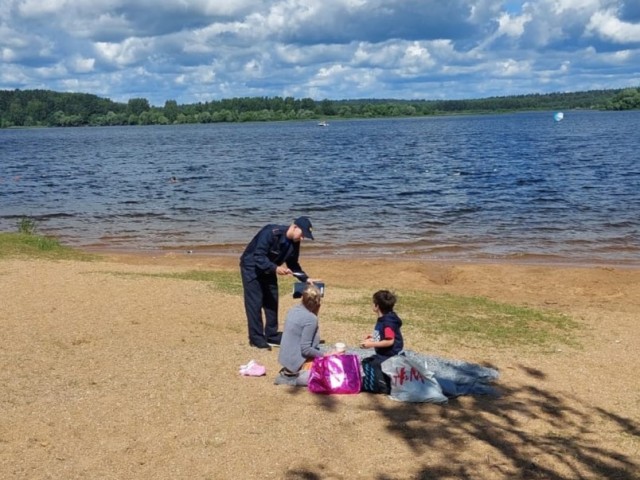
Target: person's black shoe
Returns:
[[275, 340], [264, 345]]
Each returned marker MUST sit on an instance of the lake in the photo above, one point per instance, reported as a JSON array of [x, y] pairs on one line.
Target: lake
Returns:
[[493, 187]]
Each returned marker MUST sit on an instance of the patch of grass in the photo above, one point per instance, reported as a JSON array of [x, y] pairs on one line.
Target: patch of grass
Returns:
[[37, 246], [227, 282], [458, 318], [27, 226], [477, 319]]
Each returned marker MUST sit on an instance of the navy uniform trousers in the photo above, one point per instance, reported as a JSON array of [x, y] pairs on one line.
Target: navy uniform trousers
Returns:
[[261, 292]]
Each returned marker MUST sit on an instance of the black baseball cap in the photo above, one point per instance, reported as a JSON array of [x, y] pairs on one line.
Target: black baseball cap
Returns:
[[305, 225]]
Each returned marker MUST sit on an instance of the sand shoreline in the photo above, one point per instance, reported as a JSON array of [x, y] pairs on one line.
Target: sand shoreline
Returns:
[[109, 372], [224, 251]]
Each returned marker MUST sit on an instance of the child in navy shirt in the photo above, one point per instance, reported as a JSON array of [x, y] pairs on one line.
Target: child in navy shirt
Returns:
[[387, 337]]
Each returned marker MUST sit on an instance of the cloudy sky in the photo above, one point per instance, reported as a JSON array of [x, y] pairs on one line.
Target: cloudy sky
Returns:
[[200, 50]]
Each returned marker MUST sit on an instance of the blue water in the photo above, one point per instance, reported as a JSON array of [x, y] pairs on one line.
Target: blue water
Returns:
[[513, 186]]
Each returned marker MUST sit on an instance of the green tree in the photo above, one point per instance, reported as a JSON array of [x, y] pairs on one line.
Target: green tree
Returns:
[[48, 108], [205, 117], [627, 99], [171, 110], [16, 113], [36, 110], [145, 118], [138, 105], [307, 104], [326, 108]]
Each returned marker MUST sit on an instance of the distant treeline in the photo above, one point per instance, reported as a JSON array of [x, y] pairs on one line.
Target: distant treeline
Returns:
[[45, 108]]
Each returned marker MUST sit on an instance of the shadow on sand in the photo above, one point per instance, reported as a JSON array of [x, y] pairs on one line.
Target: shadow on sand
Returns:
[[564, 444]]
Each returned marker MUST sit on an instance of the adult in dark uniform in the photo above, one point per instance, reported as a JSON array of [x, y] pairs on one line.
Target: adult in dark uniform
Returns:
[[273, 251]]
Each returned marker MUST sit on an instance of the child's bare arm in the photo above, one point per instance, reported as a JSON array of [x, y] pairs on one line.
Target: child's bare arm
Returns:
[[368, 343]]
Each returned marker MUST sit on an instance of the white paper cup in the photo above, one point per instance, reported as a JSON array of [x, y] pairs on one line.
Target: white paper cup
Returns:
[[340, 347]]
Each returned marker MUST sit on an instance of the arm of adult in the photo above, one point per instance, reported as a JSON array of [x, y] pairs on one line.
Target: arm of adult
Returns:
[[261, 254], [294, 264]]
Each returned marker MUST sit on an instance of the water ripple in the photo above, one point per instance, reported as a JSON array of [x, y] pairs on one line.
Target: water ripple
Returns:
[[498, 186]]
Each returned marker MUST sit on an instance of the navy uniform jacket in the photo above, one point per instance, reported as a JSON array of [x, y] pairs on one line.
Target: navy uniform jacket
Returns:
[[269, 249]]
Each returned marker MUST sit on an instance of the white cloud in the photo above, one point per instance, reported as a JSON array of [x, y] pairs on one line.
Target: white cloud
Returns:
[[12, 38], [204, 75], [328, 75], [7, 55], [127, 53], [203, 49], [82, 65], [38, 8], [87, 8], [410, 57], [510, 68], [83, 85], [512, 26], [295, 55], [609, 26], [416, 60], [253, 68], [54, 71], [103, 25], [575, 6], [622, 56]]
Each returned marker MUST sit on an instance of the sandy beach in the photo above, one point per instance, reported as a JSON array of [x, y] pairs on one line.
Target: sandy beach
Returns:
[[110, 370]]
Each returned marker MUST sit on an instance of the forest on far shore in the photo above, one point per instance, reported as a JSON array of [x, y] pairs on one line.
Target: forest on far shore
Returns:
[[46, 108]]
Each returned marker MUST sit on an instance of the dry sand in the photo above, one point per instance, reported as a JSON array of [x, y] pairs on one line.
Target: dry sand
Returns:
[[106, 373]]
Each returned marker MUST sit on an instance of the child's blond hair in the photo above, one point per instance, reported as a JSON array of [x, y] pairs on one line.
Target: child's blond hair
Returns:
[[311, 298]]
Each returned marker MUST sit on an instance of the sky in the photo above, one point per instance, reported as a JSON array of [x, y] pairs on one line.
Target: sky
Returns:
[[195, 51]]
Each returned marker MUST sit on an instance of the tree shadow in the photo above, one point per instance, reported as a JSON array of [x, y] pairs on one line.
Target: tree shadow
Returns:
[[526, 432], [329, 403], [302, 474], [533, 372], [566, 448]]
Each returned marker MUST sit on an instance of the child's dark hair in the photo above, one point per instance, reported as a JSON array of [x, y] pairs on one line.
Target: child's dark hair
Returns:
[[385, 300]]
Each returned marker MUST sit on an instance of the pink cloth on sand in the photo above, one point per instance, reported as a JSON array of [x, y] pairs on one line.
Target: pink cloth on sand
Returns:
[[253, 369]]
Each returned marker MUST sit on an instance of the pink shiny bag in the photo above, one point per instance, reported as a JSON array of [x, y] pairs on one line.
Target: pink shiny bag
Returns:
[[335, 374]]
